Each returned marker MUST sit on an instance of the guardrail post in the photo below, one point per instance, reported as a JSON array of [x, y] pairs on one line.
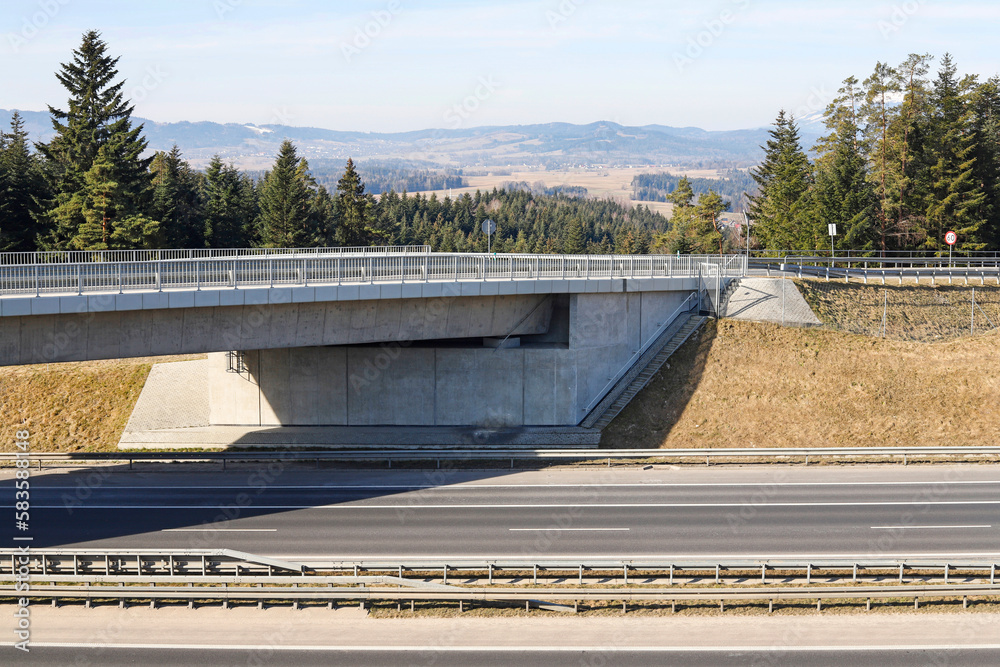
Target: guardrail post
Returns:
[[445, 577], [270, 272], [490, 566], [901, 566], [197, 276], [79, 279], [809, 573], [946, 573], [625, 574], [37, 288]]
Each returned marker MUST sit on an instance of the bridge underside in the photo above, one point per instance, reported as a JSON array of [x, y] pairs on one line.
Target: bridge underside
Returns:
[[564, 350], [36, 339]]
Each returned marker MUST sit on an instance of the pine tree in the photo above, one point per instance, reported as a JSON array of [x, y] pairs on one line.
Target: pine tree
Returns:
[[842, 194], [879, 114], [22, 184], [354, 219], [907, 133], [778, 210], [98, 117], [285, 202]]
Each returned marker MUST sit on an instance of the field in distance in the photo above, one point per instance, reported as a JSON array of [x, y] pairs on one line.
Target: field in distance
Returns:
[[601, 183]]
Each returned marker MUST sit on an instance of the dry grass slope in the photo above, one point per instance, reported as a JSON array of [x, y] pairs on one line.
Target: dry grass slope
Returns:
[[743, 384], [71, 407]]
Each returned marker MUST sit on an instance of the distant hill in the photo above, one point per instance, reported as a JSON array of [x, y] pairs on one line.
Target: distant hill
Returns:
[[552, 145]]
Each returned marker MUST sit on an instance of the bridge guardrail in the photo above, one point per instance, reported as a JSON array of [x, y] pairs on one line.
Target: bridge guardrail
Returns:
[[295, 271], [903, 454], [104, 256]]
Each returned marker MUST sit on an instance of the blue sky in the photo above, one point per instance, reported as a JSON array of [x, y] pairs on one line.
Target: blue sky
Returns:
[[393, 65]]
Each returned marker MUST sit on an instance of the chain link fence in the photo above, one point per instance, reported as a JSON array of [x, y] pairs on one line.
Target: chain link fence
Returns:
[[904, 312]]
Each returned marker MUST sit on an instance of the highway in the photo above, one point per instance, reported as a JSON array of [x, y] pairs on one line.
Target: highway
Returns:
[[301, 513]]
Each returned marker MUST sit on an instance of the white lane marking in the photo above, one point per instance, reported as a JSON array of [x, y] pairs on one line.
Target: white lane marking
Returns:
[[571, 530], [464, 486], [349, 506], [219, 530], [925, 527], [520, 648]]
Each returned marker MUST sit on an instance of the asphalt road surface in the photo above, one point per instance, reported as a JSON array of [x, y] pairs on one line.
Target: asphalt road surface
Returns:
[[301, 513], [208, 657]]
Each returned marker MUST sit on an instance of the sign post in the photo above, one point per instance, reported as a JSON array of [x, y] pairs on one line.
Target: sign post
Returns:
[[951, 238], [832, 229], [488, 228]]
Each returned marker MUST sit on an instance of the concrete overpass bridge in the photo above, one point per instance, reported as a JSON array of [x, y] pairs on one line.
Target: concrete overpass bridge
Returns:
[[369, 337]]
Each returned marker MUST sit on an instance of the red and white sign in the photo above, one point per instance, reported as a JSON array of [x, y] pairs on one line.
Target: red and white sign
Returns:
[[951, 238]]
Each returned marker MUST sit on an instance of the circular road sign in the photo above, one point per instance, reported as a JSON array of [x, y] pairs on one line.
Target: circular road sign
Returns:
[[951, 238], [489, 226]]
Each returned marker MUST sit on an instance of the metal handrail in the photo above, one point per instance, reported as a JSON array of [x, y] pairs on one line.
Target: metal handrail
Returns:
[[294, 270], [104, 256], [683, 308], [417, 454]]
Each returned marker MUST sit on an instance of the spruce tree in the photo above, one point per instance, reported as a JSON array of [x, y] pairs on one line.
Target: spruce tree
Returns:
[[176, 201], [778, 210], [986, 171], [353, 210], [285, 202], [575, 242], [954, 200], [97, 117], [22, 185]]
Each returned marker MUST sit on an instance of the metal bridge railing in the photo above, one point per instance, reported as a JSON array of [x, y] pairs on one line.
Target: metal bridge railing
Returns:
[[106, 256], [334, 268]]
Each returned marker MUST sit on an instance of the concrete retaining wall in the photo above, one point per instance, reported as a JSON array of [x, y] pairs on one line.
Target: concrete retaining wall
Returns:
[[544, 383]]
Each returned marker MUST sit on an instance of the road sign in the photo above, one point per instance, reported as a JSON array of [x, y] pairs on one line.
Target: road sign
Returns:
[[951, 238], [832, 229], [488, 228]]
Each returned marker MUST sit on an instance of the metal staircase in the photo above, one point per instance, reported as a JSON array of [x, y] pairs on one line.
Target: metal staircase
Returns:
[[643, 371]]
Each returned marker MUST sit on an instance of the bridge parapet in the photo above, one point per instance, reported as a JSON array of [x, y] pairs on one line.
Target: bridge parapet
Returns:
[[45, 289]]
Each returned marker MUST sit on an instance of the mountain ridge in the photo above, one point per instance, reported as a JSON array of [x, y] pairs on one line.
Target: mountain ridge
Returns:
[[545, 145]]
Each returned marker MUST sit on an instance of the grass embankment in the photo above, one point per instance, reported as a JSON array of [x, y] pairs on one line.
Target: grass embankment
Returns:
[[743, 384], [912, 312], [72, 407]]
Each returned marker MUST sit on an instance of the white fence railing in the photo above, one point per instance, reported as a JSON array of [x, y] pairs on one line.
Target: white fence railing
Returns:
[[105, 256], [297, 270]]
